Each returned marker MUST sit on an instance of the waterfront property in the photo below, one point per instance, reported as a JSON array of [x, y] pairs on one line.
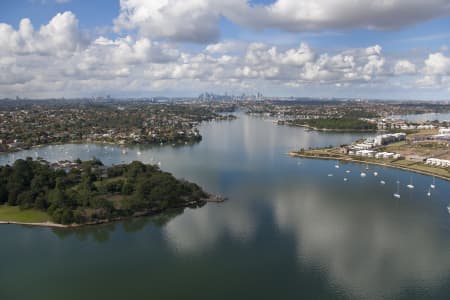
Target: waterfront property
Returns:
[[445, 163], [26, 124], [418, 152]]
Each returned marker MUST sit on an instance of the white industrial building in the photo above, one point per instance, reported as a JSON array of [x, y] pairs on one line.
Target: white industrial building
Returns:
[[438, 162], [389, 138]]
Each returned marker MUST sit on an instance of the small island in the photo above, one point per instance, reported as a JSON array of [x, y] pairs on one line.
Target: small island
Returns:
[[69, 194]]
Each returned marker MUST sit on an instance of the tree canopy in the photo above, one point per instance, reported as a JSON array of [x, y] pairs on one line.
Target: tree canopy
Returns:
[[89, 191]]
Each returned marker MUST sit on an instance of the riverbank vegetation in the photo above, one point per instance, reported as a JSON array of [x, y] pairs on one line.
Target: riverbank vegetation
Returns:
[[88, 192], [345, 123]]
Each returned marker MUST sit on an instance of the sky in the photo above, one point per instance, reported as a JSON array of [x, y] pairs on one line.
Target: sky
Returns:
[[384, 49]]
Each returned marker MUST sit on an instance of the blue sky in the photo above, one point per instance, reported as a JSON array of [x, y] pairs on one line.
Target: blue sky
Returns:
[[286, 47], [101, 13]]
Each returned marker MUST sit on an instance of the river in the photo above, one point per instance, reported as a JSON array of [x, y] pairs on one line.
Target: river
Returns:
[[442, 117], [288, 230]]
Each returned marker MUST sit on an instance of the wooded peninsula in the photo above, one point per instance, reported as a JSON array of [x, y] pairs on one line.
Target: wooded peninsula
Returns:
[[87, 192]]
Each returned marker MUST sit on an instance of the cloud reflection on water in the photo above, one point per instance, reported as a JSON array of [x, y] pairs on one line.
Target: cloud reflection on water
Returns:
[[369, 252]]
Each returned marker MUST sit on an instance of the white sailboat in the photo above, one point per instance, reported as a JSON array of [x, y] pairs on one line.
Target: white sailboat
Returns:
[[348, 171], [345, 179], [382, 182], [330, 175], [375, 173], [410, 185], [337, 165], [397, 194], [433, 185], [363, 174], [448, 208], [429, 193]]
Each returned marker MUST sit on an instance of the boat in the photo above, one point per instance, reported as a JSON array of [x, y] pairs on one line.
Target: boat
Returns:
[[397, 194], [382, 182], [375, 173], [345, 179], [429, 193], [367, 166], [448, 208], [139, 153], [330, 175], [410, 185], [348, 171], [337, 165], [363, 174], [124, 151], [433, 185]]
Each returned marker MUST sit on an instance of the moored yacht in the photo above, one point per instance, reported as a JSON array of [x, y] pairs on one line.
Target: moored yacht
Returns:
[[433, 184], [397, 194], [410, 185]]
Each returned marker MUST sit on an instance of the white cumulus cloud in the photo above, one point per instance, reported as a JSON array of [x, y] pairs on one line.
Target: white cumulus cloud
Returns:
[[56, 60], [61, 36], [181, 20], [198, 20], [404, 67]]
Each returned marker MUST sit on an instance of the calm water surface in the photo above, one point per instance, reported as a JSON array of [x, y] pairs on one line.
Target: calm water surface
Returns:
[[289, 231], [425, 117]]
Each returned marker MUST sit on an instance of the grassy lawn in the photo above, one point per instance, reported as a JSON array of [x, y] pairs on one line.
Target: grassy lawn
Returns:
[[14, 214], [434, 170]]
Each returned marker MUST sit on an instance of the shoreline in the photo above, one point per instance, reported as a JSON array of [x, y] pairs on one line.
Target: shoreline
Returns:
[[112, 143], [211, 199], [44, 224], [100, 143], [297, 154]]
